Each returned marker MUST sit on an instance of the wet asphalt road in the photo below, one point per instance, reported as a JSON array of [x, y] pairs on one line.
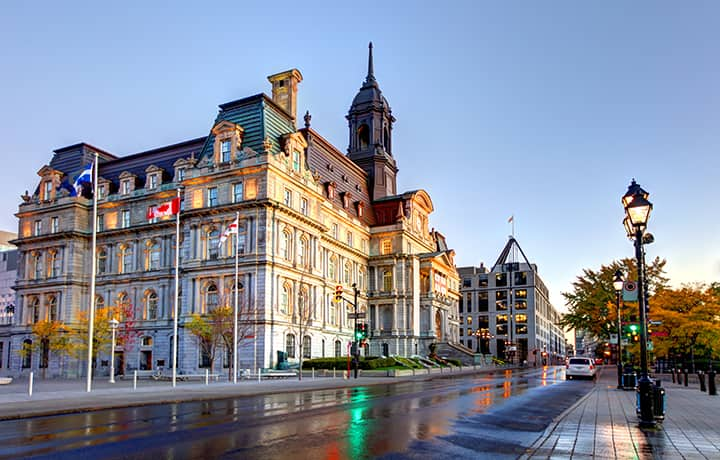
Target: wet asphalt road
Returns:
[[484, 416]]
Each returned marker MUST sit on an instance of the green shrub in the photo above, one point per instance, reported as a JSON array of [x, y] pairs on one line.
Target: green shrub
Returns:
[[326, 363], [454, 362], [376, 363]]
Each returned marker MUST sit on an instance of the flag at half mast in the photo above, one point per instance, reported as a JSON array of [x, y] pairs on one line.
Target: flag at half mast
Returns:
[[169, 208], [232, 228]]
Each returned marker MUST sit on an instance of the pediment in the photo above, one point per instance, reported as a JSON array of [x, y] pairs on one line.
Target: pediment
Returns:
[[153, 168], [127, 175], [46, 171], [225, 126]]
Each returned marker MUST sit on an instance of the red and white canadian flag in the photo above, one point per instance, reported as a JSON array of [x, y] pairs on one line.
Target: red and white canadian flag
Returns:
[[232, 228], [169, 208]]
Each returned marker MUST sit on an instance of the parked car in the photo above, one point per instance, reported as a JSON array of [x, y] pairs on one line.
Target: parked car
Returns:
[[598, 361], [580, 368]]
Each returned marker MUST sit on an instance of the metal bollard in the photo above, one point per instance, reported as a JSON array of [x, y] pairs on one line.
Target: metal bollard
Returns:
[[207, 376], [313, 373], [30, 385], [685, 382], [712, 389], [701, 378], [333, 372], [672, 372], [134, 380]]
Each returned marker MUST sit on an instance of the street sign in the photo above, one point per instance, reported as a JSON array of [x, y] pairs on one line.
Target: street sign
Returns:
[[613, 338], [630, 291], [360, 315], [655, 323], [512, 348], [660, 334]]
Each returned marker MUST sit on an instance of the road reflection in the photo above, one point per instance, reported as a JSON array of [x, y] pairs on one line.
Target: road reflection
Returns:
[[353, 423]]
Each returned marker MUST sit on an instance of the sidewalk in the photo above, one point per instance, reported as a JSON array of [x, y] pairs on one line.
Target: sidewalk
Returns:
[[603, 425], [52, 397]]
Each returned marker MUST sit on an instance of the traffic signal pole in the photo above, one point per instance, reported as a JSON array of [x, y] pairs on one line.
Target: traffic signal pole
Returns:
[[356, 359]]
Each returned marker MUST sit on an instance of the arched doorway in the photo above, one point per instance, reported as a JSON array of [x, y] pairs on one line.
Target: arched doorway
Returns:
[[438, 326]]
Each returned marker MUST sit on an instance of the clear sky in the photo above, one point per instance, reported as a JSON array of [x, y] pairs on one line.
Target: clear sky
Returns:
[[541, 110]]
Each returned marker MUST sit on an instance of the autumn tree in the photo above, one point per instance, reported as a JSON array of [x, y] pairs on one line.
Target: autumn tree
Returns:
[[49, 337], [102, 334], [591, 303], [300, 319], [690, 322]]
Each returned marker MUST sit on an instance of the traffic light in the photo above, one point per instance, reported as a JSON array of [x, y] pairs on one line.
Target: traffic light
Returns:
[[338, 293], [358, 332], [361, 332]]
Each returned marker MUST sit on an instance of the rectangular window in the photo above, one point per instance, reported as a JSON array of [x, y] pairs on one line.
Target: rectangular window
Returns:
[[469, 319], [482, 301], [296, 161], [483, 281], [48, 190], [125, 187], [288, 198], [466, 282], [520, 278], [225, 151], [101, 191], [335, 231], [125, 219], [38, 227], [212, 196], [180, 175], [54, 226], [349, 239], [153, 181], [501, 279], [100, 222], [386, 247], [304, 206], [237, 192]]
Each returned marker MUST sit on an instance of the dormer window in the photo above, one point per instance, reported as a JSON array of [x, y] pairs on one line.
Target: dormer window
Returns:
[[296, 161], [152, 181], [47, 190], [360, 208], [346, 199], [180, 175], [330, 190], [101, 191], [225, 151]]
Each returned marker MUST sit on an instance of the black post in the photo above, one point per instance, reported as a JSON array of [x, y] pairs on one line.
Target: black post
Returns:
[[645, 387], [672, 372], [619, 344], [686, 377], [712, 389], [701, 377]]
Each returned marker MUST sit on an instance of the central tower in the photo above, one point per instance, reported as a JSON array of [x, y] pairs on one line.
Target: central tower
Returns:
[[370, 123]]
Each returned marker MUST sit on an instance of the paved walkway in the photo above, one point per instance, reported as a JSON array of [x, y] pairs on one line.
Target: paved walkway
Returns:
[[603, 425]]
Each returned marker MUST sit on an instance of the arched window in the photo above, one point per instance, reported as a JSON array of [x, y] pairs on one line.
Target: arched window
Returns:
[[307, 347], [286, 306], [303, 252], [27, 354], [125, 261], [212, 241], [152, 255], [99, 302], [361, 279], [363, 134], [210, 298], [52, 308], [151, 305], [347, 274], [37, 267], [290, 345], [286, 245], [338, 348], [101, 260], [123, 302], [386, 139], [387, 280], [53, 267], [303, 305], [332, 268], [34, 310]]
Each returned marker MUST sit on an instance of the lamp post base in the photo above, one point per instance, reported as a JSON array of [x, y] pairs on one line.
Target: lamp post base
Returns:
[[620, 376], [645, 402]]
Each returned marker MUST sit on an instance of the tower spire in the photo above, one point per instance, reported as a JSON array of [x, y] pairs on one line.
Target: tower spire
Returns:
[[371, 70]]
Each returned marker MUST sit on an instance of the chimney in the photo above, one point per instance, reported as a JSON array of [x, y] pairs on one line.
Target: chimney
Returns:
[[284, 90]]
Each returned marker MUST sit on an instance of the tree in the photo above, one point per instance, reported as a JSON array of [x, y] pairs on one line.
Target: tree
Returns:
[[50, 337], [689, 322], [300, 322], [591, 303], [127, 332], [102, 334]]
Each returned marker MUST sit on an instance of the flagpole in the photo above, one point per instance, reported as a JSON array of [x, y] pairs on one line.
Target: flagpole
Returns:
[[177, 289], [93, 268], [235, 310]]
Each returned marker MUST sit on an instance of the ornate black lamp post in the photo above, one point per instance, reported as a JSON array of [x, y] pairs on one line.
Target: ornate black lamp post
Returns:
[[618, 285], [637, 210]]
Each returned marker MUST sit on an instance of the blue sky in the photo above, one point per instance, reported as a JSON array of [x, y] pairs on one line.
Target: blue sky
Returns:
[[541, 110]]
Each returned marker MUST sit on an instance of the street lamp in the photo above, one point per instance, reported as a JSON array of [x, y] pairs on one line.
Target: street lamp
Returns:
[[481, 334], [618, 286], [637, 210], [113, 326]]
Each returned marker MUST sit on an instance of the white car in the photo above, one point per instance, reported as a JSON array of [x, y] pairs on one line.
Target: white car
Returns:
[[580, 368]]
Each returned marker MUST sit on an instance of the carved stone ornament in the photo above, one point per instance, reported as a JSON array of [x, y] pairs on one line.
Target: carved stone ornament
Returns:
[[267, 144], [26, 197]]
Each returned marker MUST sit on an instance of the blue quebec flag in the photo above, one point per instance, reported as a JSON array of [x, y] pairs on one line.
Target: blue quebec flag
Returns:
[[85, 177]]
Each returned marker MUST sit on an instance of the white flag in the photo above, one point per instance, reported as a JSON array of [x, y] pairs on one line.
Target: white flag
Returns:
[[232, 228]]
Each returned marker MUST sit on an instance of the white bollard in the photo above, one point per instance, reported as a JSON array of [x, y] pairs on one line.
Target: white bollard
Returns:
[[259, 370], [134, 380], [207, 376], [333, 372], [313, 373], [30, 384]]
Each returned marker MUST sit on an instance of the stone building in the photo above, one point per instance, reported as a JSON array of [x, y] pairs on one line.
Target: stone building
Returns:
[[311, 218], [505, 311]]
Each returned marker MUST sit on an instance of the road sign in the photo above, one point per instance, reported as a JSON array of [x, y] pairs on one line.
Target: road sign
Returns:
[[360, 315], [614, 339], [655, 323], [630, 291]]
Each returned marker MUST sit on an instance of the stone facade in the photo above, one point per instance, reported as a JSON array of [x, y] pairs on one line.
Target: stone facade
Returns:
[[310, 218]]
